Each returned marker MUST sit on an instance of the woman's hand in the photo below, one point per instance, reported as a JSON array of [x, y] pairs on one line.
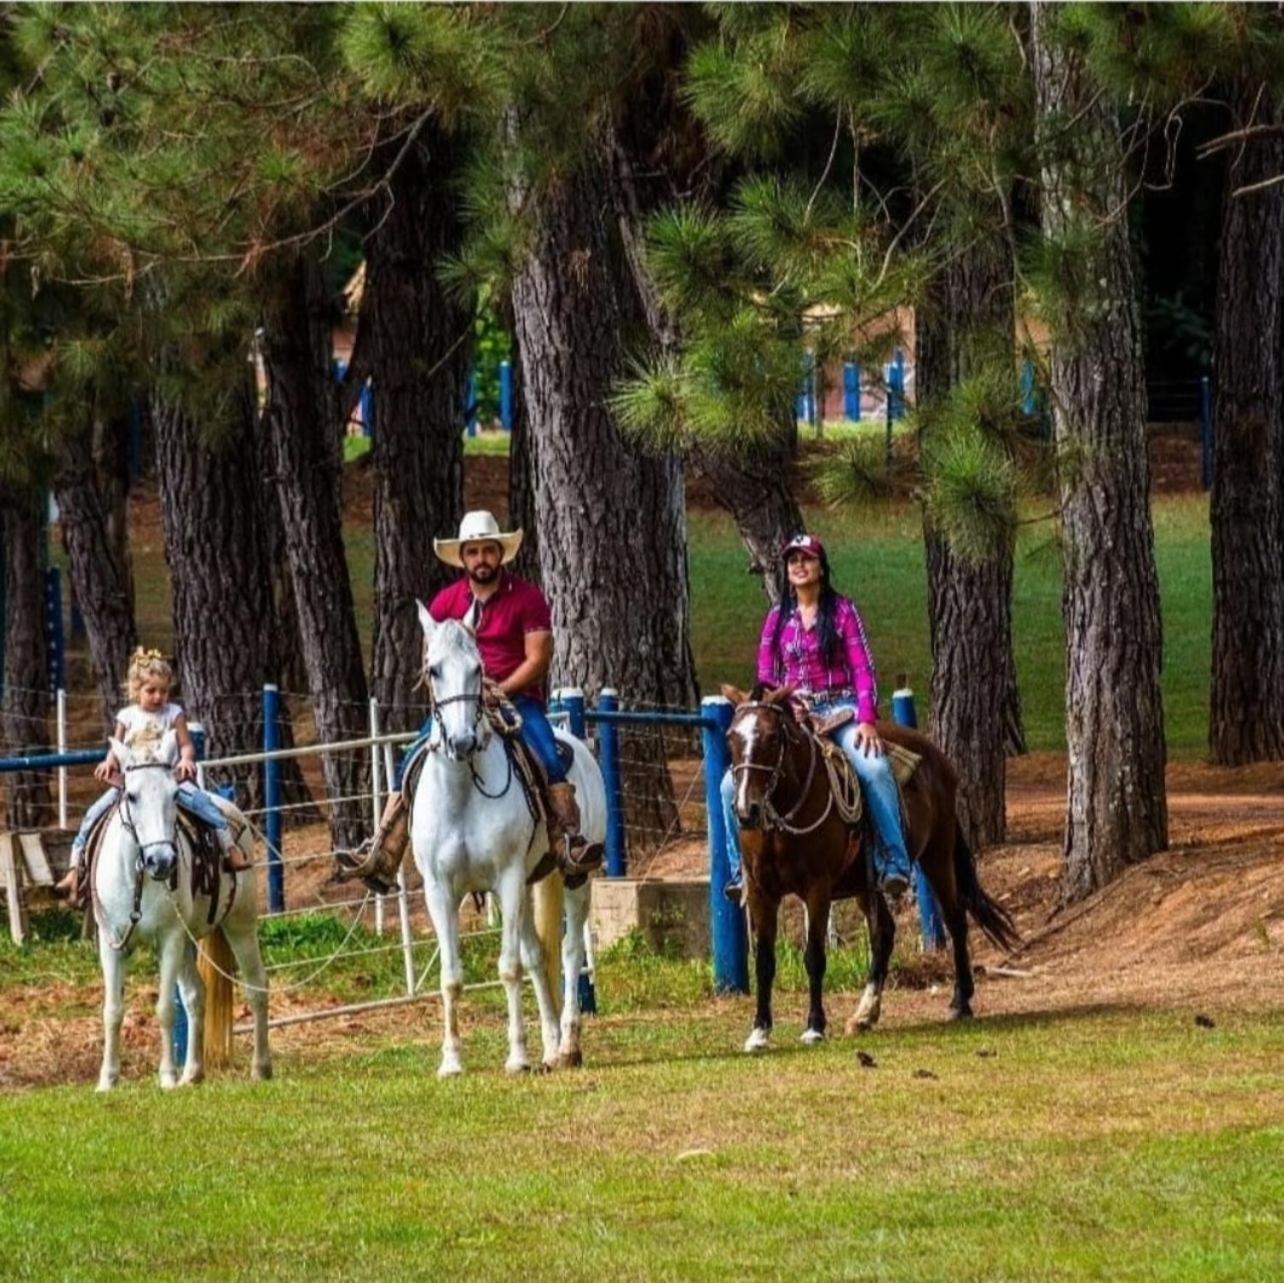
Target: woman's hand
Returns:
[[105, 769], [185, 770], [868, 741]]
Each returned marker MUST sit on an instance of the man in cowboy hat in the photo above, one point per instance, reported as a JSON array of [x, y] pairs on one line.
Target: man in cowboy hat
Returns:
[[513, 626]]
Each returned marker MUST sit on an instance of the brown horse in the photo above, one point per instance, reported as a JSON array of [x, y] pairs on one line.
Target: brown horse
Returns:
[[794, 842]]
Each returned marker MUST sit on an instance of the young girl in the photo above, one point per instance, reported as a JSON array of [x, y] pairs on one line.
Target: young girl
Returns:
[[140, 724]]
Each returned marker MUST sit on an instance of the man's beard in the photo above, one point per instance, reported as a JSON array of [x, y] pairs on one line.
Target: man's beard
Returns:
[[483, 574]]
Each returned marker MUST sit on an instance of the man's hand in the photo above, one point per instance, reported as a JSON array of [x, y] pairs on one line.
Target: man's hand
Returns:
[[868, 741]]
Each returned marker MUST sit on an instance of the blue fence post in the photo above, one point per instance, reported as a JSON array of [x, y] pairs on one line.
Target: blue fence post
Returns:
[[272, 799], [470, 403], [608, 754], [851, 391], [727, 932], [1029, 402], [53, 629], [896, 386], [571, 699], [367, 410], [929, 912], [506, 395], [1205, 432]]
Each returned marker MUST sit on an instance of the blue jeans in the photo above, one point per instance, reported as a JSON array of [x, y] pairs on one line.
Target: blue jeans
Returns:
[[878, 785], [193, 800], [536, 734]]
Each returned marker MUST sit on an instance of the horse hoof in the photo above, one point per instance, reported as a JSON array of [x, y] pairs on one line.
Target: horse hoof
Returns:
[[450, 1069], [811, 1037], [571, 1059], [105, 1084], [757, 1041], [190, 1080], [544, 1067], [516, 1067], [960, 1013], [168, 1083]]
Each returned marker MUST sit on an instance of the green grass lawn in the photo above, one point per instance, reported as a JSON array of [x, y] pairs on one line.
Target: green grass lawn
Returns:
[[877, 553], [1102, 1144]]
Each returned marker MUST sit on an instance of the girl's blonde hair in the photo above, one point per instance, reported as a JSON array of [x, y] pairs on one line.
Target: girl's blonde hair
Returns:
[[147, 665]]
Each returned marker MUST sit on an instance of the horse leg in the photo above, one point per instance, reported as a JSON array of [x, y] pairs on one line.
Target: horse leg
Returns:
[[937, 862], [172, 949], [192, 989], [818, 905], [113, 965], [243, 940], [763, 917], [445, 922], [569, 1055], [882, 936], [532, 954], [512, 896]]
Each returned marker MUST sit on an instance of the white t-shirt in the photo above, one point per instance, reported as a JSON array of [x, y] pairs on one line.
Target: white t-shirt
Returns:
[[144, 730]]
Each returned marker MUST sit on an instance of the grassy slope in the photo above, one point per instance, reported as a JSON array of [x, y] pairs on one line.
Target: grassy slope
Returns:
[[1099, 1145]]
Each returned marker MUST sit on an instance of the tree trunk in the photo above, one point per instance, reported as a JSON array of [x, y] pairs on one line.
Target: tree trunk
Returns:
[[301, 421], [612, 520], [98, 564], [1247, 698], [417, 345], [967, 321], [1116, 805], [754, 485], [224, 625], [521, 481], [26, 671]]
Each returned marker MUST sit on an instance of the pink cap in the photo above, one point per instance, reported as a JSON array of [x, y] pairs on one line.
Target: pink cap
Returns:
[[808, 545]]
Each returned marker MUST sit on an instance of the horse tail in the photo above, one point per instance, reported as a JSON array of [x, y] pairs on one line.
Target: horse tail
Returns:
[[988, 913], [216, 964]]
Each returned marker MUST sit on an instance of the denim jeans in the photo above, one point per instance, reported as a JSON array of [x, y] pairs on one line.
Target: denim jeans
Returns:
[[193, 800], [536, 734], [878, 785]]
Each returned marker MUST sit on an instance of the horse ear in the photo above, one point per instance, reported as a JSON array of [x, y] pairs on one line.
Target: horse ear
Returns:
[[120, 753], [734, 695], [426, 621], [168, 750], [779, 695]]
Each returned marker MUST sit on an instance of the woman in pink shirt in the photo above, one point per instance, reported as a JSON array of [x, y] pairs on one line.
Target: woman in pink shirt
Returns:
[[815, 642]]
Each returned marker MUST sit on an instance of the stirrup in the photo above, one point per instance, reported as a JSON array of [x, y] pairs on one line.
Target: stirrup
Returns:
[[734, 892]]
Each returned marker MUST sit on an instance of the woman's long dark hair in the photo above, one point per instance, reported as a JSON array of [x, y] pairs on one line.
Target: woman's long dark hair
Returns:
[[826, 628]]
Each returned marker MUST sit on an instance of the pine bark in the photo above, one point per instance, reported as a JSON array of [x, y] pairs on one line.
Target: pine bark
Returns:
[[754, 485], [416, 344], [24, 715], [301, 420], [1246, 721], [612, 519], [521, 481], [967, 317], [225, 633], [1116, 810], [95, 538]]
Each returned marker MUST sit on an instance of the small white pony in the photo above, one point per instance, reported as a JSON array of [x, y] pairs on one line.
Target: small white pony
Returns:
[[132, 897], [471, 830]]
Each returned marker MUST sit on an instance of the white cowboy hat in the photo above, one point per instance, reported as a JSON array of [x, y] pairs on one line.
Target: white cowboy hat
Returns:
[[478, 527]]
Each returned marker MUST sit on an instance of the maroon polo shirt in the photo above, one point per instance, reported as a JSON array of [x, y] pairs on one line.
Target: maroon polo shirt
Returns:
[[514, 609]]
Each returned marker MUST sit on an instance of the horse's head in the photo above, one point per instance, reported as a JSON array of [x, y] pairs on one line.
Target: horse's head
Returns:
[[758, 738], [149, 807], [453, 676]]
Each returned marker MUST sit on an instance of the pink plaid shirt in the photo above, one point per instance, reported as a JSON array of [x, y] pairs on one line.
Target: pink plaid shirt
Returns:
[[799, 663]]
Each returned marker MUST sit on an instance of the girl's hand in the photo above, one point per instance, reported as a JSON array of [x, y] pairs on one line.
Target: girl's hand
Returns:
[[868, 740], [185, 770], [105, 769]]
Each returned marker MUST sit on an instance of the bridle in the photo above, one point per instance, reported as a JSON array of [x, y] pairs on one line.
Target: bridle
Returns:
[[130, 827], [773, 818]]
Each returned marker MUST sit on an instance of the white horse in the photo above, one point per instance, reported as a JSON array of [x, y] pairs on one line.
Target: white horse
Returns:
[[132, 898], [471, 830]]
